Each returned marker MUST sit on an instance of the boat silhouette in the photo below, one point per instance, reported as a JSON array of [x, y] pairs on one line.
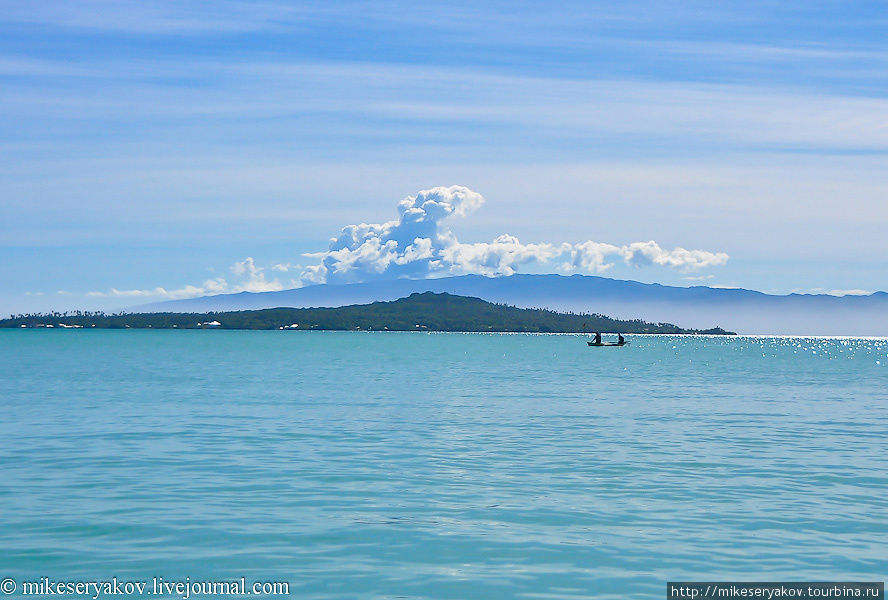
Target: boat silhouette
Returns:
[[596, 341]]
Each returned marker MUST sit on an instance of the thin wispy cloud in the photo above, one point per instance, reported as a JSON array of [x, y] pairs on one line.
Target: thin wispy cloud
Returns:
[[851, 292], [246, 276], [376, 100], [458, 19], [161, 17]]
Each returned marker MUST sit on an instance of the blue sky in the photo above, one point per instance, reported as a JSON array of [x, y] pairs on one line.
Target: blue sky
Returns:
[[159, 145]]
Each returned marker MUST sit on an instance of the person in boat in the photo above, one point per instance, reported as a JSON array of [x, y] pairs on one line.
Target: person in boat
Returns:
[[620, 339], [597, 339]]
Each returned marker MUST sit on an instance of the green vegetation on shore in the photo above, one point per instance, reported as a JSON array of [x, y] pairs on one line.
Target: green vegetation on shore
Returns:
[[418, 312]]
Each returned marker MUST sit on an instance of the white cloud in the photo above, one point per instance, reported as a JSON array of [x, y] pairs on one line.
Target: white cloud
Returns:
[[500, 257], [642, 254], [819, 290], [698, 277], [247, 278], [252, 278], [421, 244], [414, 245], [590, 257], [285, 267]]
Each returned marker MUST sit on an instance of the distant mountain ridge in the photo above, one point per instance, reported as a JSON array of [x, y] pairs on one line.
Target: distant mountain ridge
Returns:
[[698, 307]]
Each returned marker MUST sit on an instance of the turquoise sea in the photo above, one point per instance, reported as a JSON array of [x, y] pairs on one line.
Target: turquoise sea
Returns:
[[408, 465]]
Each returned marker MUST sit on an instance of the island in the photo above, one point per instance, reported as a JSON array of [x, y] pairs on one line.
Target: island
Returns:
[[426, 311]]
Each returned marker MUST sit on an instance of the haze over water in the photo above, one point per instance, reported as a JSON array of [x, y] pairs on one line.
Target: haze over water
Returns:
[[382, 465]]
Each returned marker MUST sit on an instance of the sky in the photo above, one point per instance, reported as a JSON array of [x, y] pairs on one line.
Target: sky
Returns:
[[154, 150]]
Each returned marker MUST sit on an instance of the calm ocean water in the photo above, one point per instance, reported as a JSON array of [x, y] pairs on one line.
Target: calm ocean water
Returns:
[[386, 465]]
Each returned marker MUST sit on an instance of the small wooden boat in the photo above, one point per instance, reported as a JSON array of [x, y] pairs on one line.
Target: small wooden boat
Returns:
[[597, 343]]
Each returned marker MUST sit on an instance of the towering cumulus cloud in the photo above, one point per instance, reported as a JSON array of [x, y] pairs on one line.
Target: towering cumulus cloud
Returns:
[[412, 246], [420, 243]]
